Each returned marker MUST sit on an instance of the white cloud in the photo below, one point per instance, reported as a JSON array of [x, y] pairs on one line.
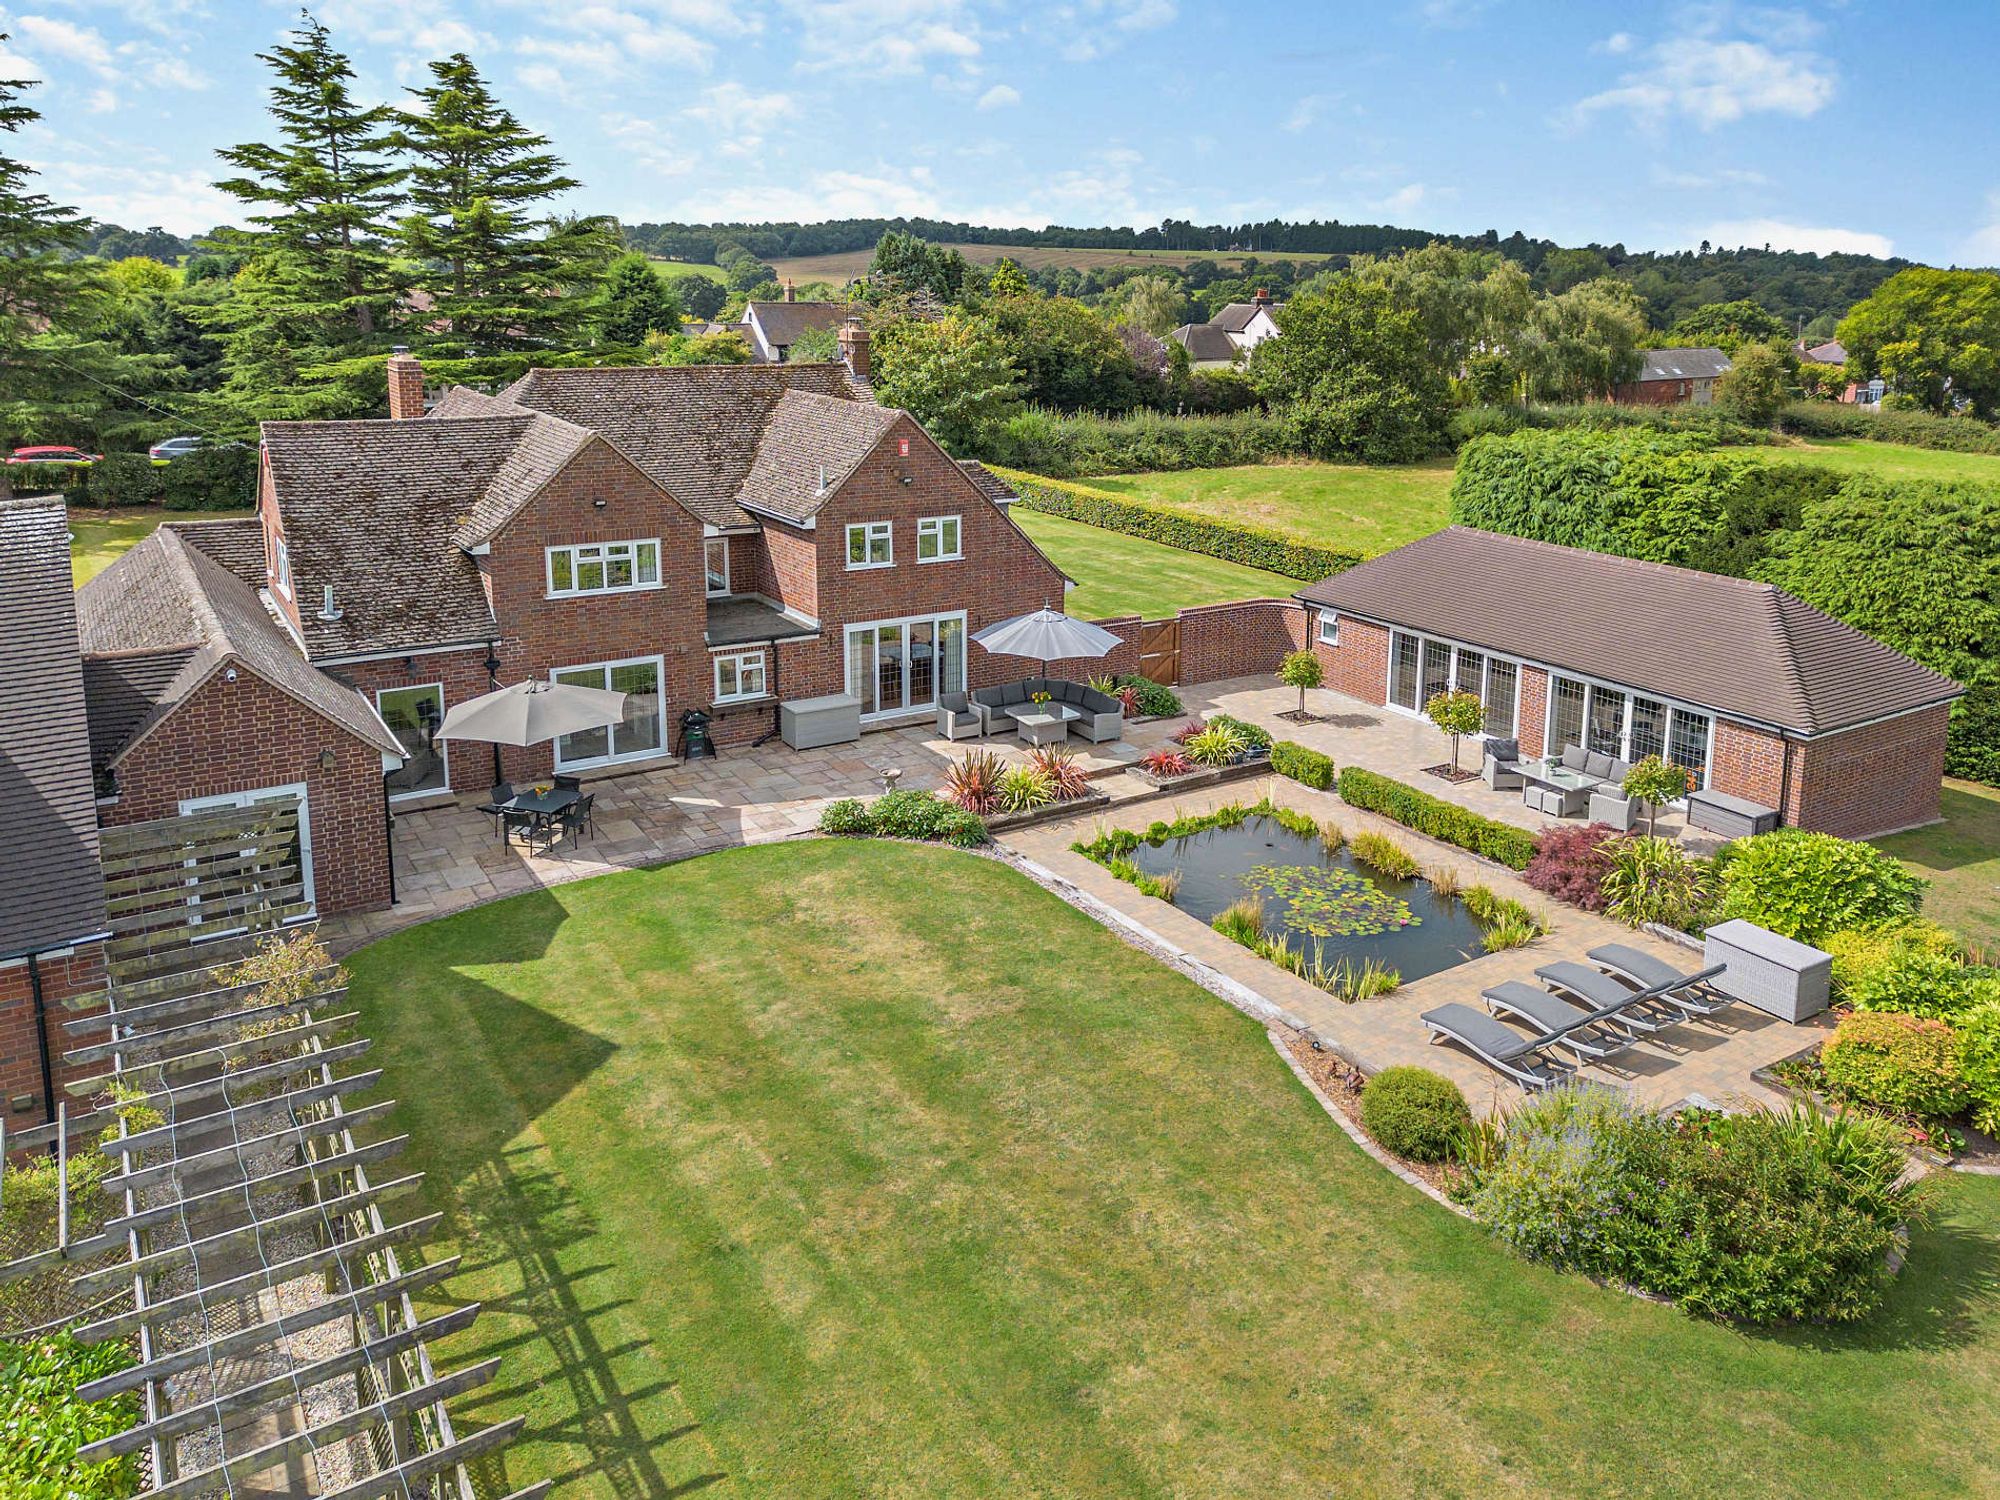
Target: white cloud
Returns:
[[1000, 96], [1705, 181], [1451, 13], [1085, 31], [825, 195], [736, 117], [1982, 246], [881, 37], [649, 147], [65, 39], [1781, 235], [1715, 78], [1305, 114], [101, 101], [85, 46], [17, 65], [184, 202], [1617, 44], [1403, 200]]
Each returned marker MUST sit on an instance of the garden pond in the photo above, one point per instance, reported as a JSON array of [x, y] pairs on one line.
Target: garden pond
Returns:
[[1315, 897]]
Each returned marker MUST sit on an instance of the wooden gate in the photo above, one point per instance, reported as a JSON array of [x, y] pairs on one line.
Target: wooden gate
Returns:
[[1160, 651]]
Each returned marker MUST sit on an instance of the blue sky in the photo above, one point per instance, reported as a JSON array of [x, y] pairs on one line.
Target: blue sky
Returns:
[[1857, 126]]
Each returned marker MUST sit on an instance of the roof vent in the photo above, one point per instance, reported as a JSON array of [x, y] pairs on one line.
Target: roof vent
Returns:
[[821, 488], [328, 610]]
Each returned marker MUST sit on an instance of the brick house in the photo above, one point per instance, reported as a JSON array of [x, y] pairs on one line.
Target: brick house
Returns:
[[1758, 693], [52, 910], [724, 538], [1674, 377]]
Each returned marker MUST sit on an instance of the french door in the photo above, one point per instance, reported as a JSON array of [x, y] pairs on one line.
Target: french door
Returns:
[[300, 861], [900, 666]]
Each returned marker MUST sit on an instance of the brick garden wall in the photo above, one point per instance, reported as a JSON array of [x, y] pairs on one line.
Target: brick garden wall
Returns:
[[1246, 639], [243, 735], [80, 972]]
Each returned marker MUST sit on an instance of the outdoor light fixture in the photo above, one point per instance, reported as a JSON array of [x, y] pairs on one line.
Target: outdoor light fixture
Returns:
[[326, 759], [599, 504]]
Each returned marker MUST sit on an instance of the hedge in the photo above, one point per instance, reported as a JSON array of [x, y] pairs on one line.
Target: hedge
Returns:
[[1305, 766], [1435, 818], [1253, 546], [220, 478], [1917, 429], [1067, 446]]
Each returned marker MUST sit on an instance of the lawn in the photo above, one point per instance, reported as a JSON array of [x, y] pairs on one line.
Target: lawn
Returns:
[[99, 537], [1961, 859], [1128, 575], [1344, 505], [873, 1169], [1889, 460]]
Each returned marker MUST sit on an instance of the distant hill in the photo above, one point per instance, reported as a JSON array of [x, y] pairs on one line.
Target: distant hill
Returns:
[[1800, 287]]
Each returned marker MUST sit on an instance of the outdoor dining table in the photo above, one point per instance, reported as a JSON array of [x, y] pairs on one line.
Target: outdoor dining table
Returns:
[[1573, 786], [1043, 723], [542, 807]]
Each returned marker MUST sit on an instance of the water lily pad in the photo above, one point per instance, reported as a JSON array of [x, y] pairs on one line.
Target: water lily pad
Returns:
[[1322, 902]]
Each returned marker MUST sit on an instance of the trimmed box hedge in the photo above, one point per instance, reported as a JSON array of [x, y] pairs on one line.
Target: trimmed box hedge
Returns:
[[1253, 546], [1306, 766], [1435, 818]]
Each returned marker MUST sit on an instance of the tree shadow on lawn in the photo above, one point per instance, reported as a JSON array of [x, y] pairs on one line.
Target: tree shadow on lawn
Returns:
[[1962, 839], [515, 1218]]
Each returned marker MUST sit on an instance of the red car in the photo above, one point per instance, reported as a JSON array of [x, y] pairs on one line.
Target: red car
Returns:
[[52, 454]]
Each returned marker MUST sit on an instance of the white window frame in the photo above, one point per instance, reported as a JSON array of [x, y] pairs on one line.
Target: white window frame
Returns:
[[443, 746], [933, 528], [659, 666], [1329, 627], [707, 575], [1673, 706], [742, 660], [605, 554], [249, 798], [871, 531], [281, 573], [904, 623], [1487, 658]]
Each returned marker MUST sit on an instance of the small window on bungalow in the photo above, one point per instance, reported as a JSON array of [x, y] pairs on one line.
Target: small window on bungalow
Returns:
[[937, 539], [869, 545], [739, 675], [1329, 628], [603, 568]]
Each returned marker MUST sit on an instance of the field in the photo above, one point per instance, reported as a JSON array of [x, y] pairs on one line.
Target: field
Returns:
[[1961, 859], [675, 270], [849, 264], [1343, 505], [1888, 460], [1128, 575], [99, 537], [865, 1196]]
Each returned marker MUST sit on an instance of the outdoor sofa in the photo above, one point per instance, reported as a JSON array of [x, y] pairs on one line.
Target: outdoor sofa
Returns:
[[1103, 717], [1608, 802]]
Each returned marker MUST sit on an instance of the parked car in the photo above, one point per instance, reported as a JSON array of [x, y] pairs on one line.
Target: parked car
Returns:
[[53, 454], [173, 448]]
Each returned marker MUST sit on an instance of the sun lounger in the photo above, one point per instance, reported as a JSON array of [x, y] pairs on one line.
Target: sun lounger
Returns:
[[1692, 994], [1519, 1057], [1640, 1010], [1593, 1035]]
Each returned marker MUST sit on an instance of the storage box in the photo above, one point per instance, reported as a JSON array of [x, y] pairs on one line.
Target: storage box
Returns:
[[1778, 976], [810, 722]]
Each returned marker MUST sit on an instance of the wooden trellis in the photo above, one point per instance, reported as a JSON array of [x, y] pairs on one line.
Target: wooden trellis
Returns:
[[260, 1266]]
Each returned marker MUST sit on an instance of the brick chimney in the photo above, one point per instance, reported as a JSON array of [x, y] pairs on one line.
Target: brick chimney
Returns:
[[1262, 299], [854, 347], [791, 292], [406, 385]]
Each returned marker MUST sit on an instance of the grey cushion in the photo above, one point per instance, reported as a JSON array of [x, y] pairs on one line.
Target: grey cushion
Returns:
[[1573, 757], [1503, 750], [1068, 692], [1620, 769], [956, 702], [1597, 764], [1014, 692]]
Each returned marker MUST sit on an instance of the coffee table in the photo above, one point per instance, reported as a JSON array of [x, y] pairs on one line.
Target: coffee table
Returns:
[[1572, 786], [1043, 723]]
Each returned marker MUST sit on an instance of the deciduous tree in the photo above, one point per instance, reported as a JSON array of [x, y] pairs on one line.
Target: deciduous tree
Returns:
[[1934, 336], [952, 373]]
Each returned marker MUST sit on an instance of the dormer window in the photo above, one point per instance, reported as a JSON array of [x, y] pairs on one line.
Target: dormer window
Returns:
[[603, 568]]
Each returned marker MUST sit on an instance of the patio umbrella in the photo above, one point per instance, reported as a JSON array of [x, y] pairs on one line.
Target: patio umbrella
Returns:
[[529, 713], [1047, 635]]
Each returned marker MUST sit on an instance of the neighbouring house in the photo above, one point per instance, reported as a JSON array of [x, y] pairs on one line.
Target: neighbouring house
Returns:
[[1832, 352], [52, 906], [1759, 694], [1674, 377], [1231, 334], [771, 328]]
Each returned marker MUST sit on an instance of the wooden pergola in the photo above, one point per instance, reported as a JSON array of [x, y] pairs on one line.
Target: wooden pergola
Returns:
[[253, 1246]]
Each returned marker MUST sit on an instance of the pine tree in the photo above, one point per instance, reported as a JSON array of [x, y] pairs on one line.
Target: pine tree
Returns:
[[329, 191], [497, 273], [635, 302]]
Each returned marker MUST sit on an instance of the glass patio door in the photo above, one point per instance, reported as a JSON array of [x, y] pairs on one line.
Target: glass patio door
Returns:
[[1607, 722]]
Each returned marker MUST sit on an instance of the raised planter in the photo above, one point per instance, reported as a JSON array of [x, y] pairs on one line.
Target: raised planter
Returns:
[[1007, 822], [1256, 765]]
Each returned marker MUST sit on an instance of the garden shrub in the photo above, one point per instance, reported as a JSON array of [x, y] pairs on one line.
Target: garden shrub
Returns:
[[1655, 880], [1414, 1112], [50, 479], [1435, 818], [848, 816], [1979, 1061], [1254, 736], [1917, 429], [904, 815], [43, 1425], [1858, 951], [1308, 767], [1906, 1064], [1025, 788], [1805, 885], [1214, 745], [1571, 863], [1068, 446], [1156, 699], [223, 477], [1917, 980], [1253, 546], [125, 479]]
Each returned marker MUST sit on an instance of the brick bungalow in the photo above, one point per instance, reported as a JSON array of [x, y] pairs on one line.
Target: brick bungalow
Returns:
[[1758, 693], [1674, 377], [52, 922]]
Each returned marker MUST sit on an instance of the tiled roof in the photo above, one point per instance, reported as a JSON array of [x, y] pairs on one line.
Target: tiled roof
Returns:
[[375, 510], [784, 322], [1832, 352], [1683, 364], [237, 543], [1236, 316], [163, 618], [1745, 649], [694, 429], [1204, 341], [991, 485], [811, 444], [51, 885]]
